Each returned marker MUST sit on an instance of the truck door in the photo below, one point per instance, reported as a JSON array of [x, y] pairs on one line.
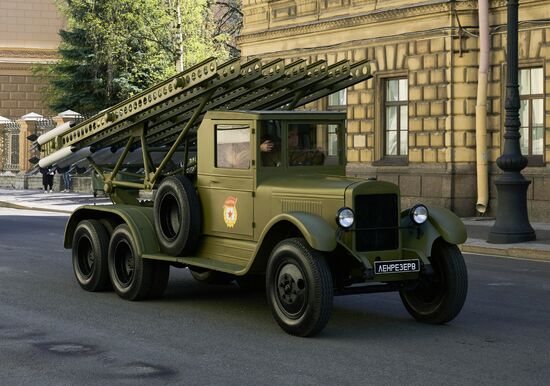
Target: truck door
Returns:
[[226, 181]]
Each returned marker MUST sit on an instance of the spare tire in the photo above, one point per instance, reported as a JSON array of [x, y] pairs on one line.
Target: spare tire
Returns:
[[177, 216]]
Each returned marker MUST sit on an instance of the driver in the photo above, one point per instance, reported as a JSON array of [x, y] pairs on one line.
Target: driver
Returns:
[[298, 154]]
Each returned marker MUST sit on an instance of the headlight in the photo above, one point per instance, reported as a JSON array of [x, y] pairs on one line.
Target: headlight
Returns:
[[345, 217], [419, 214]]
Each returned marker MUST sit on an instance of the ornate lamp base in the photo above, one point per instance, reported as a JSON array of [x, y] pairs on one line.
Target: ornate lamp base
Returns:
[[512, 222]]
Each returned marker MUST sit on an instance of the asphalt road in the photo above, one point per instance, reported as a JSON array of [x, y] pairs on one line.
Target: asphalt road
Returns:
[[52, 332]]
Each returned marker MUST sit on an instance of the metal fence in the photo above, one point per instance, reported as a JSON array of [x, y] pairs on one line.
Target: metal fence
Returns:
[[9, 147], [9, 140]]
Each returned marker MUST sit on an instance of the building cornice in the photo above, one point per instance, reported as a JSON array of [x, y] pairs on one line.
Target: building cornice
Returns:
[[341, 22], [28, 53], [15, 66], [425, 8]]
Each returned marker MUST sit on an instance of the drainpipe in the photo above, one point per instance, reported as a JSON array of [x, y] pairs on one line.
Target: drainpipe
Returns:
[[481, 110], [451, 167]]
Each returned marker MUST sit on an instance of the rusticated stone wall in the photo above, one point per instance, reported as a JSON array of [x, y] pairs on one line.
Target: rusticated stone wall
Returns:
[[28, 37], [435, 46], [21, 92]]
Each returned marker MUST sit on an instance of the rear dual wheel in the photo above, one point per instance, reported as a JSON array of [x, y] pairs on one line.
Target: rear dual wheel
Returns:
[[133, 277], [89, 256]]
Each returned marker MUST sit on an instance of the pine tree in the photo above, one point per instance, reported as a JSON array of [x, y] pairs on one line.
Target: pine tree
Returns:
[[74, 81]]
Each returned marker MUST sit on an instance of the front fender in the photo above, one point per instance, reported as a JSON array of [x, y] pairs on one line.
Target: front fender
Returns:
[[441, 223], [448, 224], [139, 219], [315, 229]]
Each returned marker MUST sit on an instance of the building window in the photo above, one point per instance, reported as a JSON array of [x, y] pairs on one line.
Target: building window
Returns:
[[531, 113], [325, 4], [337, 100], [396, 116]]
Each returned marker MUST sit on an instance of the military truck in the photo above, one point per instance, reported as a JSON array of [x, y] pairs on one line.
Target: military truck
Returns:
[[245, 187]]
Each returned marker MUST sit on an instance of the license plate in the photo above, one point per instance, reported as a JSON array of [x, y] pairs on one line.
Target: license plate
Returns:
[[396, 266]]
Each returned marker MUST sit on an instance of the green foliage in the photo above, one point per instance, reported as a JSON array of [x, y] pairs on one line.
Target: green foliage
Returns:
[[113, 49]]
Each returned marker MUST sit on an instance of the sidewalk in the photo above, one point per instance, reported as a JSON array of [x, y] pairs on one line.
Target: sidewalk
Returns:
[[478, 231], [478, 228], [53, 202]]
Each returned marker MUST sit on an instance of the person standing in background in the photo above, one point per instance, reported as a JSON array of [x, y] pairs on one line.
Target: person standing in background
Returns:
[[47, 178], [67, 180]]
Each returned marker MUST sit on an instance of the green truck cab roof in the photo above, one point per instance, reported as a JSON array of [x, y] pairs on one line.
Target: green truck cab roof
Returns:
[[275, 115]]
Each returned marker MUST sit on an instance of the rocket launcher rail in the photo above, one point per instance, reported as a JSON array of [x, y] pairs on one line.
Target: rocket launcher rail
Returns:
[[169, 113]]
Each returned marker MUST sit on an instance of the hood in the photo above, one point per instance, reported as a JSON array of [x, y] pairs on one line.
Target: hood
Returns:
[[307, 183]]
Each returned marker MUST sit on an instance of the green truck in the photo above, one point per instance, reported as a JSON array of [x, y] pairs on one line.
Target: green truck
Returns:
[[244, 187]]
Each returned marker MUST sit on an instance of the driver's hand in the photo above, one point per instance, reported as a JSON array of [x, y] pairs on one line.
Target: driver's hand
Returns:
[[267, 146]]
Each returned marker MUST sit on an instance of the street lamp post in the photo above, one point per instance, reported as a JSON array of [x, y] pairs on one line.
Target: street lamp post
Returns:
[[512, 222]]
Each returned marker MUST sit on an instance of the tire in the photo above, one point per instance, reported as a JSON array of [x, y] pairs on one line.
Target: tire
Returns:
[[132, 276], [211, 277], [178, 217], [439, 297], [90, 250], [299, 288]]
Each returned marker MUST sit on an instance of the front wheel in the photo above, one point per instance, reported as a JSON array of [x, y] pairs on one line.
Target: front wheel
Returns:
[[299, 287], [438, 297]]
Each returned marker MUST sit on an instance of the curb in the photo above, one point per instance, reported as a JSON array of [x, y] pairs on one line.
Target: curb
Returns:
[[4, 204], [531, 251]]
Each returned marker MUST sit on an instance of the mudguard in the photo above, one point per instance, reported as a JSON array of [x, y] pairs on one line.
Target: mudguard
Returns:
[[139, 219], [315, 229], [441, 223]]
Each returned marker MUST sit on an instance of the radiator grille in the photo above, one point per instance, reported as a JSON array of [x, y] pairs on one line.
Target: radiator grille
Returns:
[[376, 222]]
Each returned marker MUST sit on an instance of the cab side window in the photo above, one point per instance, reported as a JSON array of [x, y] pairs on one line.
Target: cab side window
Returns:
[[233, 146], [307, 145]]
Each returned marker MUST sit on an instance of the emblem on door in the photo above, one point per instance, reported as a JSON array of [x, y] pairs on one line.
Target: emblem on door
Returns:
[[230, 211]]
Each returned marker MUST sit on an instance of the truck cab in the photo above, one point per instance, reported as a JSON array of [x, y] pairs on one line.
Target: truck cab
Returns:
[[244, 156]]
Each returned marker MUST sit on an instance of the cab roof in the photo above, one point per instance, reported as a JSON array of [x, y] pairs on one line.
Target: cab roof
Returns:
[[278, 114]]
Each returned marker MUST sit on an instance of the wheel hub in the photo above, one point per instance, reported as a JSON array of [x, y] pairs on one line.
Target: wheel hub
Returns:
[[124, 263], [129, 264], [85, 257], [170, 216], [291, 291], [90, 259]]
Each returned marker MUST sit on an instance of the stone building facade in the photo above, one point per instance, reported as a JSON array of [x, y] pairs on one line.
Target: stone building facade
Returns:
[[28, 36], [414, 122]]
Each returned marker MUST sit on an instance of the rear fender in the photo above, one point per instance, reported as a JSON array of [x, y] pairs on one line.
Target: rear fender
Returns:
[[139, 219]]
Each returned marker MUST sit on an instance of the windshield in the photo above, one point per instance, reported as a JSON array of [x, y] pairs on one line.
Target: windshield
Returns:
[[307, 144]]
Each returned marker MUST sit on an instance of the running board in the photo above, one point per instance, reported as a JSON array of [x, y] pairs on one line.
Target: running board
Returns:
[[222, 266]]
